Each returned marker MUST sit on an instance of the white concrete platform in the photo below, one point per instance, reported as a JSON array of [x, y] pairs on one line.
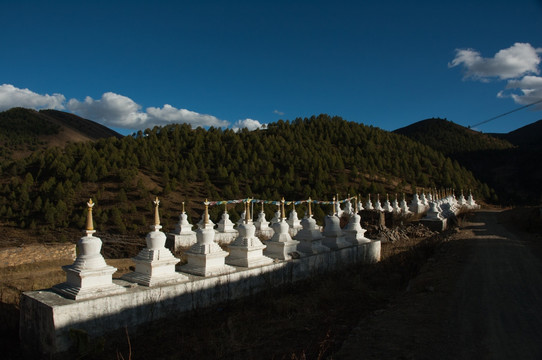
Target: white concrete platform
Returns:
[[47, 317]]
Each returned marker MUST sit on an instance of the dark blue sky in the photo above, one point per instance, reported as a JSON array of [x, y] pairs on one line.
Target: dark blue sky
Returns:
[[133, 64]]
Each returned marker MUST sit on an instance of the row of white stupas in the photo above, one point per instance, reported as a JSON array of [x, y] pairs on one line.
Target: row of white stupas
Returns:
[[89, 276], [226, 232]]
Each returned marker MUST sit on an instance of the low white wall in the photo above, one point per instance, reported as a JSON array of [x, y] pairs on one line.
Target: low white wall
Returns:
[[46, 317]]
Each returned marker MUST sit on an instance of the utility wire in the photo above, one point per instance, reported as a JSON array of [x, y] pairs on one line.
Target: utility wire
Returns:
[[506, 113]]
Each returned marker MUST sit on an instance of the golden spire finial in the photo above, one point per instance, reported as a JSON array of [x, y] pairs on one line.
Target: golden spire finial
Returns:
[[225, 207], [156, 202], [90, 223], [206, 216], [310, 209], [262, 206], [247, 215], [283, 212], [183, 207]]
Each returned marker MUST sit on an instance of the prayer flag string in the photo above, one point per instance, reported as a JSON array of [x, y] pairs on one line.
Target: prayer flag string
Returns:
[[272, 202]]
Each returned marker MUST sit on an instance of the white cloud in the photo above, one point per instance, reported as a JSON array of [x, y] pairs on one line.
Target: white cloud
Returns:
[[250, 124], [111, 110], [280, 113], [518, 60], [121, 111], [527, 90], [10, 96], [169, 114]]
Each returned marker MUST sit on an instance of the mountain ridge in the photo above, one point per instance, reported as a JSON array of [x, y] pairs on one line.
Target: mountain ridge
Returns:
[[451, 138], [506, 162], [528, 135]]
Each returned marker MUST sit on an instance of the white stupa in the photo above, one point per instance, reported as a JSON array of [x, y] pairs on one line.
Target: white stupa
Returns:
[[395, 205], [247, 249], [471, 203], [333, 234], [225, 224], [355, 234], [183, 235], [310, 237], [387, 205], [281, 244], [378, 205], [360, 205], [261, 223], [206, 258], [155, 264], [416, 206], [369, 204], [348, 208], [453, 202], [89, 276], [438, 200], [225, 231], [277, 216], [423, 199], [183, 226], [446, 207], [293, 222], [337, 205], [434, 212], [461, 201], [404, 206]]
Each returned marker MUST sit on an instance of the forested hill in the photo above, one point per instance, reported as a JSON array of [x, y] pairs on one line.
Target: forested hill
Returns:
[[451, 138], [317, 157], [24, 131]]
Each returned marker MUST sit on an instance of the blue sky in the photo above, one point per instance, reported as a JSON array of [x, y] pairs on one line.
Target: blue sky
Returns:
[[134, 64]]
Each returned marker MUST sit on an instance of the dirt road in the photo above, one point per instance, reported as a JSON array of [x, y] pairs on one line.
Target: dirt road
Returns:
[[480, 297]]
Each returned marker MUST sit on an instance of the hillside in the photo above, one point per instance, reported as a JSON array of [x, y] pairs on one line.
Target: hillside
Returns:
[[25, 131], [526, 136], [451, 138], [506, 162], [317, 157]]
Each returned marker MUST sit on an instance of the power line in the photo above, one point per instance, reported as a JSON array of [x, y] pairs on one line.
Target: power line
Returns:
[[506, 113]]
